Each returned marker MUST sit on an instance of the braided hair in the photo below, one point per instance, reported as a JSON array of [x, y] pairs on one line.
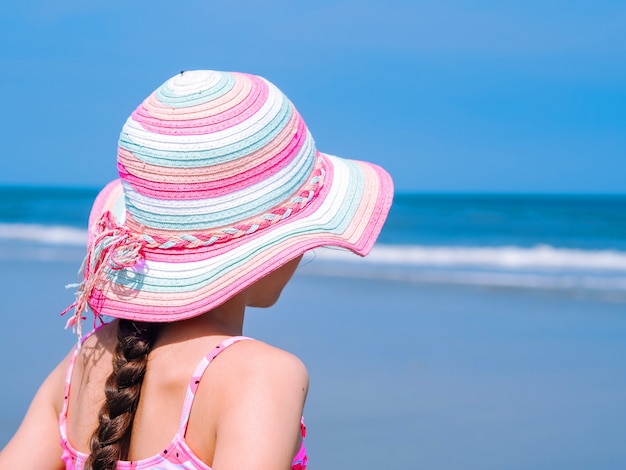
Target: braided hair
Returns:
[[110, 442]]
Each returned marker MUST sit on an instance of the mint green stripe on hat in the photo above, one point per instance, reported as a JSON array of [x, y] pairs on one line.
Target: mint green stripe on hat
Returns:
[[185, 221], [169, 98], [213, 156]]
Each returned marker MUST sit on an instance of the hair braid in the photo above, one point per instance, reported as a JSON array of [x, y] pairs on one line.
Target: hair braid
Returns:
[[111, 440]]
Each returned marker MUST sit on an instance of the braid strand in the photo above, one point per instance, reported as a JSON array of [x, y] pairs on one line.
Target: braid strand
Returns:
[[110, 442]]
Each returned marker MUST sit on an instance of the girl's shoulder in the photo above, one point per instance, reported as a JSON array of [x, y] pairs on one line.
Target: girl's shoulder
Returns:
[[256, 363], [255, 394]]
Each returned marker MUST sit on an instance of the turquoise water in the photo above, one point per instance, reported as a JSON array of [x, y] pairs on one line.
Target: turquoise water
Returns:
[[561, 221]]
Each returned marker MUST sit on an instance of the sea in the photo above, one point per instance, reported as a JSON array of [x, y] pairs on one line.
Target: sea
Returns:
[[483, 331], [575, 244]]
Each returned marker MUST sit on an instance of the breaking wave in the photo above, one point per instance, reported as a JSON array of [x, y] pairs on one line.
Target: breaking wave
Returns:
[[46, 234], [506, 257]]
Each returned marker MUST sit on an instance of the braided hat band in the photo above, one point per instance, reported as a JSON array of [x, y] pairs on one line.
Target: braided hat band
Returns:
[[220, 184]]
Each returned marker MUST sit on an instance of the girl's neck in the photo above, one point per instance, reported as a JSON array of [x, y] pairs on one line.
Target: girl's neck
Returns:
[[224, 320]]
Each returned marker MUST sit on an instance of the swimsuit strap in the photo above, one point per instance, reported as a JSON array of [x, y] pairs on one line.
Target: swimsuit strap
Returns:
[[66, 394], [68, 377], [197, 376]]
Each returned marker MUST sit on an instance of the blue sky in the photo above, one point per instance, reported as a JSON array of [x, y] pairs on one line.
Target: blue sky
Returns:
[[448, 95]]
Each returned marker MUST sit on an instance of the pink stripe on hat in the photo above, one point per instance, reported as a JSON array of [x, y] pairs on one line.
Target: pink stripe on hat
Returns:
[[228, 117], [153, 108], [194, 189], [290, 135]]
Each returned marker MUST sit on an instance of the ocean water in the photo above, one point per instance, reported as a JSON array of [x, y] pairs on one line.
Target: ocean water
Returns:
[[573, 244]]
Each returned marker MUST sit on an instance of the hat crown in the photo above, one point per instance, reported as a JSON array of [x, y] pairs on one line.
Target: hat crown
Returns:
[[209, 150]]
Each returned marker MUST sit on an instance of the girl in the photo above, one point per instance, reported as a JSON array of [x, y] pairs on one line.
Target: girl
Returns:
[[221, 191]]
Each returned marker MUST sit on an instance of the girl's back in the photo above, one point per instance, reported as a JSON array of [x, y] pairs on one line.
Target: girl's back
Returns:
[[261, 376]]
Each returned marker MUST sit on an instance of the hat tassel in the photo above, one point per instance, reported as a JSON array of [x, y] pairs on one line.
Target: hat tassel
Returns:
[[114, 247]]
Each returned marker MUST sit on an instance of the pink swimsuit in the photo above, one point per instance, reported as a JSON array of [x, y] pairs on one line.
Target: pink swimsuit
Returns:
[[177, 455]]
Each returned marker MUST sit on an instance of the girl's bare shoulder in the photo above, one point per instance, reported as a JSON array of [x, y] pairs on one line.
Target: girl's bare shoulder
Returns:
[[262, 390], [259, 357], [257, 366]]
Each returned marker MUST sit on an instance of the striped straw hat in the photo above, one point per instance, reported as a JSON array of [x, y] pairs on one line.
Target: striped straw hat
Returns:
[[220, 184]]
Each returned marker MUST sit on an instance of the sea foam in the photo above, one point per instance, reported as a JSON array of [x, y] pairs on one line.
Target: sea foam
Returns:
[[46, 234], [502, 257], [506, 257], [538, 267]]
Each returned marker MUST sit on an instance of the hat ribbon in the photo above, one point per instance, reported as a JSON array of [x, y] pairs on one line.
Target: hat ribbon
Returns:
[[114, 247]]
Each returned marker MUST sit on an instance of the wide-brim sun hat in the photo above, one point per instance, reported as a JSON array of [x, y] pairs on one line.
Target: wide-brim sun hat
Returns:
[[220, 184]]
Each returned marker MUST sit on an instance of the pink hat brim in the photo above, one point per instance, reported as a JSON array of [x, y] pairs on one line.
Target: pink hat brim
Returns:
[[170, 285]]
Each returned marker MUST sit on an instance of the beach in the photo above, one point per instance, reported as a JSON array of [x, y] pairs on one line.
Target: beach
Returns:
[[404, 374], [485, 329]]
